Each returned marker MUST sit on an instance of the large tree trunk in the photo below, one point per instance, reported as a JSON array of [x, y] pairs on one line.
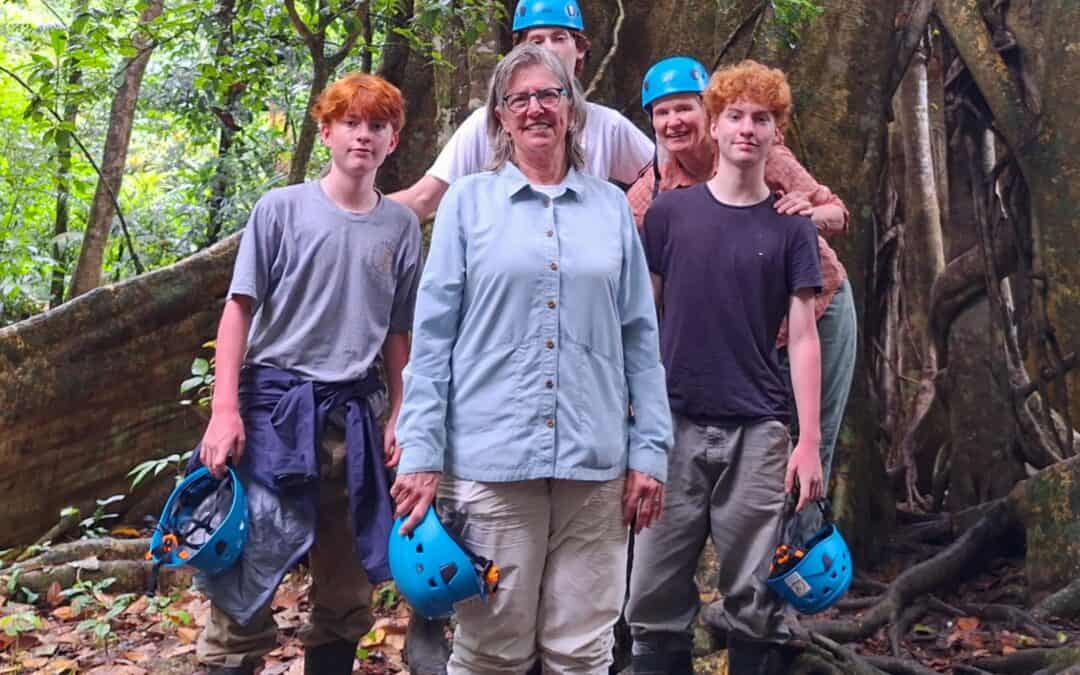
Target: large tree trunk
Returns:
[[121, 119], [1029, 88], [91, 387]]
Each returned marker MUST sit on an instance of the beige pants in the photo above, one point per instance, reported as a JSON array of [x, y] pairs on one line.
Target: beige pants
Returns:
[[561, 546], [340, 593]]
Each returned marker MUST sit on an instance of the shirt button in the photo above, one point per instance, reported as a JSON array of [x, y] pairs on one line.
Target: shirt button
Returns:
[[551, 424], [549, 384], [551, 304], [551, 233], [550, 344], [554, 266]]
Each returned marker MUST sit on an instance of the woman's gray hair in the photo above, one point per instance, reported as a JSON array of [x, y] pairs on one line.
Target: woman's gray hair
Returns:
[[524, 55]]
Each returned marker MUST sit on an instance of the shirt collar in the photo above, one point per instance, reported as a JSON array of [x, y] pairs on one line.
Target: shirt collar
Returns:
[[516, 181]]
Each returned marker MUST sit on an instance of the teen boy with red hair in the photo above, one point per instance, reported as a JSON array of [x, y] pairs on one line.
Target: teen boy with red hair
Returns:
[[324, 282], [722, 245]]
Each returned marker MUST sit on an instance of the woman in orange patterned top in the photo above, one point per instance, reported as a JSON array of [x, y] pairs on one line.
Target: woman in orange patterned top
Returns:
[[671, 95]]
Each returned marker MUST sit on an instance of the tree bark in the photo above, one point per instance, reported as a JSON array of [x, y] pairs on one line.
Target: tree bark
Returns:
[[63, 181], [91, 388], [222, 182], [87, 274]]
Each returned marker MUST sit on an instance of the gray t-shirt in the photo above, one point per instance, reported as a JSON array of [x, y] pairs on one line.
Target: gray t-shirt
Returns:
[[328, 285]]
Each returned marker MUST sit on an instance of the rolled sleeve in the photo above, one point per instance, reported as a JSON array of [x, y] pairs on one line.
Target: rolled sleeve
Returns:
[[421, 427], [650, 435]]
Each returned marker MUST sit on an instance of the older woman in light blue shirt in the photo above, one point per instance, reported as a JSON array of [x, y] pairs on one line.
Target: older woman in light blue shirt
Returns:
[[534, 333]]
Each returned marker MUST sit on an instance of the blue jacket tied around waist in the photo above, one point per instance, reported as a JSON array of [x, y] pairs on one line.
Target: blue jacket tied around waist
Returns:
[[284, 417]]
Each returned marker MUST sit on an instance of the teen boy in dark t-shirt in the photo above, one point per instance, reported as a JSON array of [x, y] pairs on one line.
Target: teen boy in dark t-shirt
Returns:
[[726, 270]]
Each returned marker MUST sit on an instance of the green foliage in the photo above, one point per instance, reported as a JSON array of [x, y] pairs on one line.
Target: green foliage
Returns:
[[201, 382], [90, 596], [793, 16], [220, 107], [153, 467], [19, 623], [93, 527], [386, 597]]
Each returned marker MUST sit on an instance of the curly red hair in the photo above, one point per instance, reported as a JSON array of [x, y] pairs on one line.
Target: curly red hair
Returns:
[[750, 81], [369, 96]]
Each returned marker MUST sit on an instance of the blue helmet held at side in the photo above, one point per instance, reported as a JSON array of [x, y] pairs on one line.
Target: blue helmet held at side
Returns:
[[203, 524], [433, 571], [548, 14], [811, 578], [673, 75]]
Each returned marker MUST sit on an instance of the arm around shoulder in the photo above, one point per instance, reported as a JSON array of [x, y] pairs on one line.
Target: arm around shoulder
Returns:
[[423, 196]]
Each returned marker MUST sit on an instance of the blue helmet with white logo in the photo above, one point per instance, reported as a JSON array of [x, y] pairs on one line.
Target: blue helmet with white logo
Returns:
[[673, 75], [433, 571], [203, 524], [813, 577], [548, 13]]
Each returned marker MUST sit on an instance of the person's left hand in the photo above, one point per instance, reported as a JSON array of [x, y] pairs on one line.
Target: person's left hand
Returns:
[[794, 203], [643, 500], [804, 465], [391, 449]]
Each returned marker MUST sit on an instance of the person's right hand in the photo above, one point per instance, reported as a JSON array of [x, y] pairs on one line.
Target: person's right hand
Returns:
[[224, 439], [414, 493]]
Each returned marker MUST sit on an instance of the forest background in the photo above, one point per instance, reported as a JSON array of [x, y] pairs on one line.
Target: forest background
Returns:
[[136, 135]]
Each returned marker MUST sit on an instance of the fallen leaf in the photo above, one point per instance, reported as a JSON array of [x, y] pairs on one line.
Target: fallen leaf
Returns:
[[53, 595], [138, 606], [187, 635], [392, 624], [395, 641], [178, 650], [124, 531], [374, 638], [967, 623], [1006, 650], [922, 629], [45, 649], [60, 666], [116, 669], [34, 662], [65, 613]]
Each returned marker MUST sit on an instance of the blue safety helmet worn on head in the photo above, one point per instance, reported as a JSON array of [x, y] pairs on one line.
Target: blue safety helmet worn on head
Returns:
[[673, 75], [548, 14], [811, 578], [203, 524], [433, 571]]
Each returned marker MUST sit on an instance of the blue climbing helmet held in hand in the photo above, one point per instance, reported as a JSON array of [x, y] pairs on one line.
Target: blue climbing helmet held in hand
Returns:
[[811, 577], [203, 524], [548, 14], [433, 571], [673, 75]]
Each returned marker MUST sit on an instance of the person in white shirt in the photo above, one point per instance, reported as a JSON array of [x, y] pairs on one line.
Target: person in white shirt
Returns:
[[614, 148]]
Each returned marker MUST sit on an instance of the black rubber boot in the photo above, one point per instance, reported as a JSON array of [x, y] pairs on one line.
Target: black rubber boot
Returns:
[[669, 663], [426, 650], [332, 658], [227, 670], [756, 658]]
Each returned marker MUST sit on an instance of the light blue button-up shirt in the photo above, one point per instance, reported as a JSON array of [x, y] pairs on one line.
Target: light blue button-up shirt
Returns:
[[534, 330]]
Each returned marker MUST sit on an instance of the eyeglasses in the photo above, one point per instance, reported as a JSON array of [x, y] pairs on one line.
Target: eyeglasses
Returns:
[[547, 98]]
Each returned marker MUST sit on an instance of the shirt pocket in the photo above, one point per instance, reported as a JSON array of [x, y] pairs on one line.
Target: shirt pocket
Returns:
[[485, 391], [599, 407]]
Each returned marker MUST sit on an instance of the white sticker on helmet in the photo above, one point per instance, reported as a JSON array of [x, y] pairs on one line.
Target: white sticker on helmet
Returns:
[[797, 584]]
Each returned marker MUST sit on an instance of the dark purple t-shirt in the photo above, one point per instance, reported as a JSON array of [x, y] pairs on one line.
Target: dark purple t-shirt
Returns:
[[729, 273]]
